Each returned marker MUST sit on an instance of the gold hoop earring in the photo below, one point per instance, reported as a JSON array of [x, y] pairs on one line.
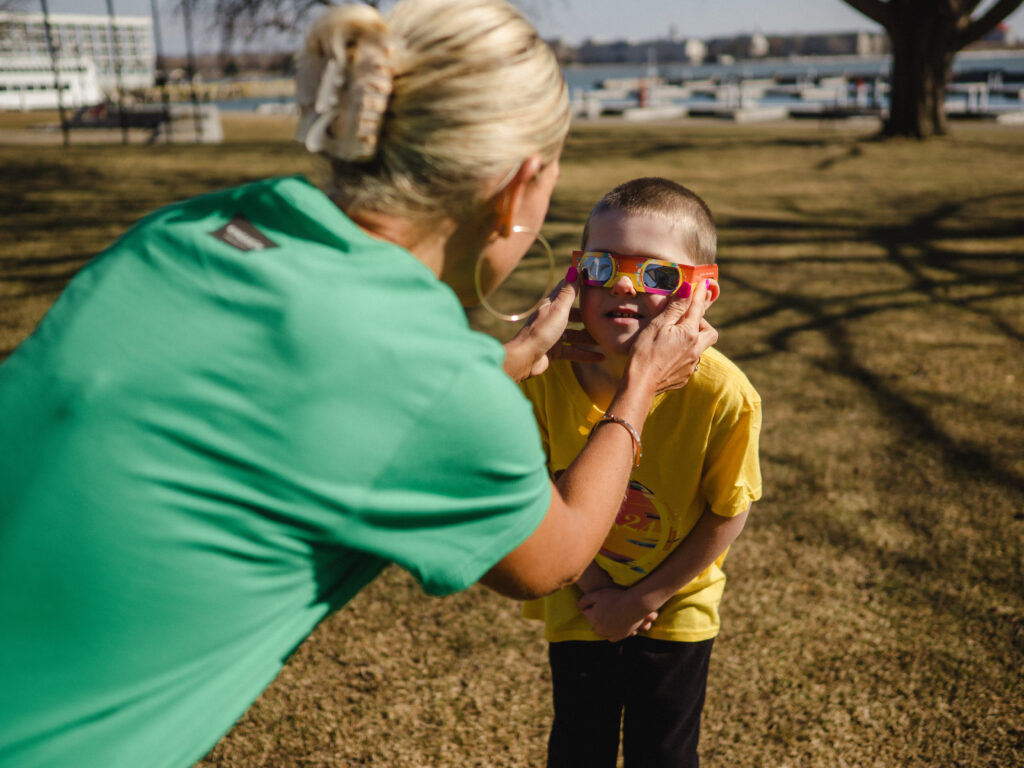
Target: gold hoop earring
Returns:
[[549, 284]]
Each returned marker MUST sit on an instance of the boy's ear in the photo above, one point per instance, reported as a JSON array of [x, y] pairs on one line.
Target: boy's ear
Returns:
[[508, 199], [713, 290]]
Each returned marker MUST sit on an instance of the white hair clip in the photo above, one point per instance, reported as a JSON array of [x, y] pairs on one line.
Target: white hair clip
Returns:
[[342, 96]]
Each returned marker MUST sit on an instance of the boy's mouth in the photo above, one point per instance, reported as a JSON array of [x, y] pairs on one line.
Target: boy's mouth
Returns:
[[623, 312]]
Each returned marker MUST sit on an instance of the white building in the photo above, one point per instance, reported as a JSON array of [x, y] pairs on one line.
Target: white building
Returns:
[[77, 37], [28, 82]]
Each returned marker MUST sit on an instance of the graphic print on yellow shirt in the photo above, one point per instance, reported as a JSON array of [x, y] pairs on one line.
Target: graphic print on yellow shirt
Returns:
[[642, 534]]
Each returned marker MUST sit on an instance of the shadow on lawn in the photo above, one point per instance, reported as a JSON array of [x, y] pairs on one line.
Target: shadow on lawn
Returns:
[[607, 142], [934, 481], [36, 189], [915, 249], [985, 481]]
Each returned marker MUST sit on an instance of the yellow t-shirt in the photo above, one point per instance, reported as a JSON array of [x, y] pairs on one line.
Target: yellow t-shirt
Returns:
[[700, 448]]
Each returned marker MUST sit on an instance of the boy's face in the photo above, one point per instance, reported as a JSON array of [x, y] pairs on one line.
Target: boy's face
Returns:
[[616, 314]]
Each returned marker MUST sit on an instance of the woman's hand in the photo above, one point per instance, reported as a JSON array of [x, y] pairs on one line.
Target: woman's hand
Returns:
[[545, 337], [668, 350]]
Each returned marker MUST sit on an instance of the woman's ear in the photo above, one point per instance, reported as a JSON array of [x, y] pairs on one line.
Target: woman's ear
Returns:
[[508, 199]]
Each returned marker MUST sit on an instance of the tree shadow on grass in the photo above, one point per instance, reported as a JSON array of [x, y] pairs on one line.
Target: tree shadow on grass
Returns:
[[33, 198], [55, 271], [925, 268], [913, 250]]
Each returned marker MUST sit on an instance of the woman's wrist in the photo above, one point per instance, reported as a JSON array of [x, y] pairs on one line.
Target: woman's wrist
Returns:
[[639, 378], [634, 434], [633, 400]]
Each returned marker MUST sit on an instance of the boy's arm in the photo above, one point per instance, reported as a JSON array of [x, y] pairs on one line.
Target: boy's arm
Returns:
[[710, 537], [593, 578], [615, 613]]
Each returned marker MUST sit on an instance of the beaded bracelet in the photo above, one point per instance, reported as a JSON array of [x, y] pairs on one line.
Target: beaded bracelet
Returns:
[[637, 448]]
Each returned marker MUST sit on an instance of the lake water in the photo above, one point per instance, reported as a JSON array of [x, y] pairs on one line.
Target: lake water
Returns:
[[967, 66], [1001, 75]]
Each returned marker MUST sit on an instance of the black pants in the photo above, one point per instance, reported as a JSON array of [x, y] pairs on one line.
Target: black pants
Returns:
[[658, 684]]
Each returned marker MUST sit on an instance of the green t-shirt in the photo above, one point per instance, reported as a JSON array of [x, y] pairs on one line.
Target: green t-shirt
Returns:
[[227, 425]]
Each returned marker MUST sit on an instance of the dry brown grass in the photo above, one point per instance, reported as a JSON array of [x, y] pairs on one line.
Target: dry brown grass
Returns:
[[873, 292]]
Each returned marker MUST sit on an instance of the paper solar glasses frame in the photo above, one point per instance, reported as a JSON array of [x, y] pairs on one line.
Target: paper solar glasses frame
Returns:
[[648, 275]]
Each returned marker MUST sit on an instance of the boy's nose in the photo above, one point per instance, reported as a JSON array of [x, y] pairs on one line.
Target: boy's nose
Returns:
[[623, 286]]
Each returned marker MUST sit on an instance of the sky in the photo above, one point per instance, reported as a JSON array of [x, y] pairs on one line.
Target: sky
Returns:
[[574, 20]]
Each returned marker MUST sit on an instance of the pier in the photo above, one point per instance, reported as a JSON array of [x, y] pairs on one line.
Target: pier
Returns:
[[981, 95]]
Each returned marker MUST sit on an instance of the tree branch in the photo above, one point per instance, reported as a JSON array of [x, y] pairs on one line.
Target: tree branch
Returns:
[[985, 23], [876, 10]]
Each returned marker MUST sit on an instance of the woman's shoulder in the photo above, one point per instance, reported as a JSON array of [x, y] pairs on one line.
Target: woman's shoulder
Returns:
[[262, 205]]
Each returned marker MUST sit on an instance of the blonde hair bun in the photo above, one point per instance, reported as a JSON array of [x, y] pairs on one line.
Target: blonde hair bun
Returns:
[[444, 97], [344, 79]]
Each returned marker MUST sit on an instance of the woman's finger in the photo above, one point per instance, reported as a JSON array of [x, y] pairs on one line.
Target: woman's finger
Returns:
[[694, 311], [564, 292], [684, 306], [707, 336], [548, 323]]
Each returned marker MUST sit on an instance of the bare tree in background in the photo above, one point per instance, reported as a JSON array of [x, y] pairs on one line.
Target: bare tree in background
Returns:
[[925, 35], [244, 20], [247, 19]]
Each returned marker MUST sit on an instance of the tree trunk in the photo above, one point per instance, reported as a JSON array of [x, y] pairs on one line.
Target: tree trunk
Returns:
[[922, 61], [925, 36]]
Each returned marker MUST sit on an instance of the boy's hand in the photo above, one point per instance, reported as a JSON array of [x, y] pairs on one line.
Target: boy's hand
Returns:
[[615, 614], [545, 338]]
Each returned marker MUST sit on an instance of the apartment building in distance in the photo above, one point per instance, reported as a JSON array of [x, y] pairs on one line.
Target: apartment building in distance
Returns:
[[94, 54]]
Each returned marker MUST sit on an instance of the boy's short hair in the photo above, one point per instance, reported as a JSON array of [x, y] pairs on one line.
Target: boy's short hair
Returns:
[[655, 196]]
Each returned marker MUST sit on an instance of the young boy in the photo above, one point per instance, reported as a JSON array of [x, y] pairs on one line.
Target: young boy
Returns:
[[631, 641]]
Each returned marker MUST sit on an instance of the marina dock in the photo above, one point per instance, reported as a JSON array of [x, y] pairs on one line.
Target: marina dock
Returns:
[[982, 87]]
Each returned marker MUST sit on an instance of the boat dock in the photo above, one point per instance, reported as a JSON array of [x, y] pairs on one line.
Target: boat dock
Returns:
[[651, 97]]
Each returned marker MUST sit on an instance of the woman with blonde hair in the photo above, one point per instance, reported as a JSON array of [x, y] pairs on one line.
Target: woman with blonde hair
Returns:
[[253, 401]]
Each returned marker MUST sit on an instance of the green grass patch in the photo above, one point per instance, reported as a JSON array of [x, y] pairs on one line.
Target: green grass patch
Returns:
[[873, 292]]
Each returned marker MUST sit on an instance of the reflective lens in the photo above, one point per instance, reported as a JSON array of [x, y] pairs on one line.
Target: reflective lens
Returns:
[[596, 268], [660, 278]]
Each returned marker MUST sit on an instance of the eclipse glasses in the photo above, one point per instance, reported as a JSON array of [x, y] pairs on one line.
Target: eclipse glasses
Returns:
[[664, 278]]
